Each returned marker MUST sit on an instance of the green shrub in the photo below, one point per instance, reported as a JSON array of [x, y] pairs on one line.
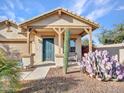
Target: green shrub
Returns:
[[9, 74]]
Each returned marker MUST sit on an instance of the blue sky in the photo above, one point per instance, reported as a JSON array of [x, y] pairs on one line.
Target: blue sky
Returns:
[[105, 12]]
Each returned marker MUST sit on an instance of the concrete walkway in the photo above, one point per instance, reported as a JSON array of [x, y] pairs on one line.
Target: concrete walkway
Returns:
[[38, 73]]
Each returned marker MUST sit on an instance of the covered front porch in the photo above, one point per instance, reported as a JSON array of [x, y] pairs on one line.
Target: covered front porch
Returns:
[[47, 35], [48, 42]]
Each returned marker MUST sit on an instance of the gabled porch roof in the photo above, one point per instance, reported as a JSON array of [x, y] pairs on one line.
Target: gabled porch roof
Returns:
[[57, 21], [60, 11]]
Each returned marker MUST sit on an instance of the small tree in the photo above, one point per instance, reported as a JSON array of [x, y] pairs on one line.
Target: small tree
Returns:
[[9, 74], [112, 36], [66, 49], [85, 42]]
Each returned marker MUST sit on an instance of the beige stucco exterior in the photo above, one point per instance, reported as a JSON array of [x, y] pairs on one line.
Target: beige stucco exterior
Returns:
[[12, 41], [55, 20], [51, 26], [12, 34]]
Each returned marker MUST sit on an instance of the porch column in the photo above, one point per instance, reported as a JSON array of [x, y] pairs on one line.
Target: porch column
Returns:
[[28, 39], [59, 31], [90, 39], [89, 31], [28, 42], [59, 53], [59, 40], [79, 47]]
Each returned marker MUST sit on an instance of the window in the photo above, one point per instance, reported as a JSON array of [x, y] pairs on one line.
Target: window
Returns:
[[72, 46]]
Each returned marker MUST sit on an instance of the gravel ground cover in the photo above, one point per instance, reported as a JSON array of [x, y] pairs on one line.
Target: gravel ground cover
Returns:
[[73, 82]]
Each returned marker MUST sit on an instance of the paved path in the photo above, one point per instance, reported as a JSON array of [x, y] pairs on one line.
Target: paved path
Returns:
[[38, 73]]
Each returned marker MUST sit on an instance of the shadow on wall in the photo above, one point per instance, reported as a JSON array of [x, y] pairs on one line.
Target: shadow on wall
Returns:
[[14, 54], [112, 50], [10, 54], [49, 85]]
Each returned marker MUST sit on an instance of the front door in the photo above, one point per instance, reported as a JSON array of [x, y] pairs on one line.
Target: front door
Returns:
[[48, 49]]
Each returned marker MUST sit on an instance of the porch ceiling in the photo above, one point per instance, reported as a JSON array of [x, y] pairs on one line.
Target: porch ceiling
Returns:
[[73, 31]]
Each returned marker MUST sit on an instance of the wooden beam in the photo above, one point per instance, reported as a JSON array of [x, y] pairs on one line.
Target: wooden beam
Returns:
[[86, 30], [56, 30], [28, 41], [74, 36], [59, 31], [62, 30], [47, 34], [59, 42], [58, 26]]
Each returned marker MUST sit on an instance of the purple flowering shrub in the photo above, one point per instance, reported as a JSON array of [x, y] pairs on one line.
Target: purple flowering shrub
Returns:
[[101, 65]]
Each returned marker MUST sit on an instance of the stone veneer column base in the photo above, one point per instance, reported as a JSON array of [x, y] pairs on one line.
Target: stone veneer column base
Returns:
[[59, 60], [28, 60]]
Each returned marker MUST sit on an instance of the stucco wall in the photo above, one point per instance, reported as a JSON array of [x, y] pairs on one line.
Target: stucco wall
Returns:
[[56, 20], [37, 47], [113, 50], [4, 34], [9, 47]]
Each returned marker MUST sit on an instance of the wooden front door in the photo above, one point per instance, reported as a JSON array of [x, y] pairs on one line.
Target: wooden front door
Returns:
[[48, 49]]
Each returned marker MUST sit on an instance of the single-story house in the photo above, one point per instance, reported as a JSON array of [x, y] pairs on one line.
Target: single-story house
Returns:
[[41, 38]]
